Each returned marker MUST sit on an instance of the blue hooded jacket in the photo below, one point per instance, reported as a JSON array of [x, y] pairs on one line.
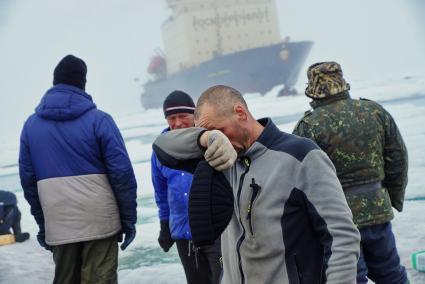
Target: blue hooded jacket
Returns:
[[69, 137], [172, 189]]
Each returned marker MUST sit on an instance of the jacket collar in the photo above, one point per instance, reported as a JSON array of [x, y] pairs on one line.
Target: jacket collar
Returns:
[[265, 140], [322, 102]]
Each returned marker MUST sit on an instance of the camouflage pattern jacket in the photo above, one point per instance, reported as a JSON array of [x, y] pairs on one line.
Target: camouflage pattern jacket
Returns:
[[366, 147]]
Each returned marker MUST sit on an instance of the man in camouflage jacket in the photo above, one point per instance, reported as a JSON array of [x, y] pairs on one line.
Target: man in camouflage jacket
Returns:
[[366, 147]]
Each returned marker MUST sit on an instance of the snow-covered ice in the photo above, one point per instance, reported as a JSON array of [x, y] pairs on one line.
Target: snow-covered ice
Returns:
[[144, 261]]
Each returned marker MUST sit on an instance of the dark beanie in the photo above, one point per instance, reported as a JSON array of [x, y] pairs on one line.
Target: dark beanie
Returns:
[[210, 204], [178, 102], [72, 71]]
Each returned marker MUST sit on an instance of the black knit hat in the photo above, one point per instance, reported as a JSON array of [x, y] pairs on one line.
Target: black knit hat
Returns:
[[72, 71], [178, 102], [210, 204]]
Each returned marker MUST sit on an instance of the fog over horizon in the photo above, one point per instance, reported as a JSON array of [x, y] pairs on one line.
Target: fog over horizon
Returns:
[[116, 38]]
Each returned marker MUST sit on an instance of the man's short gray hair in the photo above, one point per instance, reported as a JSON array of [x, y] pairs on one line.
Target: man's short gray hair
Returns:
[[222, 98]]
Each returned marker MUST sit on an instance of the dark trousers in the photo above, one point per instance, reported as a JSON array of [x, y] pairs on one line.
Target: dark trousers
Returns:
[[379, 258], [86, 262], [203, 267], [11, 220]]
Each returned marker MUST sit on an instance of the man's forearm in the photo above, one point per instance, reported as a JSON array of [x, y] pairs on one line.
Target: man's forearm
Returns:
[[181, 148]]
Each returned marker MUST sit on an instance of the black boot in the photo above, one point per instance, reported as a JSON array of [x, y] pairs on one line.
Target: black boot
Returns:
[[17, 227], [21, 237]]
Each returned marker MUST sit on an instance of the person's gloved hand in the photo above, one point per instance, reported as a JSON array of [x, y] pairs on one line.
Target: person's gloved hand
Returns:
[[220, 153], [41, 238], [129, 230], [164, 239]]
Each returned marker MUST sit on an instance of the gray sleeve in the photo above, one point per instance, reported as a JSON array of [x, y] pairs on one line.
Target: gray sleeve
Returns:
[[179, 149], [331, 217]]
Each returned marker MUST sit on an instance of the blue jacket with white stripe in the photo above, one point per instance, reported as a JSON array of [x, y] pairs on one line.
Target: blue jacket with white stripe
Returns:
[[75, 170]]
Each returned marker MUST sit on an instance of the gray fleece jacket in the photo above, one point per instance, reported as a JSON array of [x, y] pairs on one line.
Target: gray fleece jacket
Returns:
[[291, 222]]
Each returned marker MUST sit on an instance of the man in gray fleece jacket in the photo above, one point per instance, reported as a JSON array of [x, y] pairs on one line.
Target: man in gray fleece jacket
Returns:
[[291, 223]]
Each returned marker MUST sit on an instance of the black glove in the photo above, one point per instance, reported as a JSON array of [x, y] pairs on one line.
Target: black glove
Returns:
[[41, 238], [164, 239], [129, 230]]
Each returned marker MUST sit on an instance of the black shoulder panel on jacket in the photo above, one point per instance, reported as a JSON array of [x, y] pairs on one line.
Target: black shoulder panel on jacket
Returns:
[[274, 139], [295, 146]]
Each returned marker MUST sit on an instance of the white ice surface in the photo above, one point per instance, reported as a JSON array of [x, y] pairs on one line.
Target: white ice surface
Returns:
[[144, 262]]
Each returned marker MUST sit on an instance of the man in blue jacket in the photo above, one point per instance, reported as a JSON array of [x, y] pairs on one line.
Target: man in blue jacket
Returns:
[[78, 179], [172, 187], [10, 216]]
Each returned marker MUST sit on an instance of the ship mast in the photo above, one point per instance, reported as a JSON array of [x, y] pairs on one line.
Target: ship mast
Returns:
[[219, 49]]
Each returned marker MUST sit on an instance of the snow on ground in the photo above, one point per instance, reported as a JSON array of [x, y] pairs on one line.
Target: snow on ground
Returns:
[[144, 261], [409, 229]]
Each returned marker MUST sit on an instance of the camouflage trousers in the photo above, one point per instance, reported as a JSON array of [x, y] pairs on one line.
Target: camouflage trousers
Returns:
[[370, 204], [87, 262]]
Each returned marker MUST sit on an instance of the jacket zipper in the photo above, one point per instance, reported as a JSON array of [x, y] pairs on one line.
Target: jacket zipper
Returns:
[[255, 190], [297, 267], [247, 163], [322, 266], [196, 251]]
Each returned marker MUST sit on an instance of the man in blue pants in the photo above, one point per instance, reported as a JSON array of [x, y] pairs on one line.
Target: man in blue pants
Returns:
[[10, 217], [363, 141]]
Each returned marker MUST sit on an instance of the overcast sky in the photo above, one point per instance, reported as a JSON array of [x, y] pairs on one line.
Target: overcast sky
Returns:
[[371, 39]]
